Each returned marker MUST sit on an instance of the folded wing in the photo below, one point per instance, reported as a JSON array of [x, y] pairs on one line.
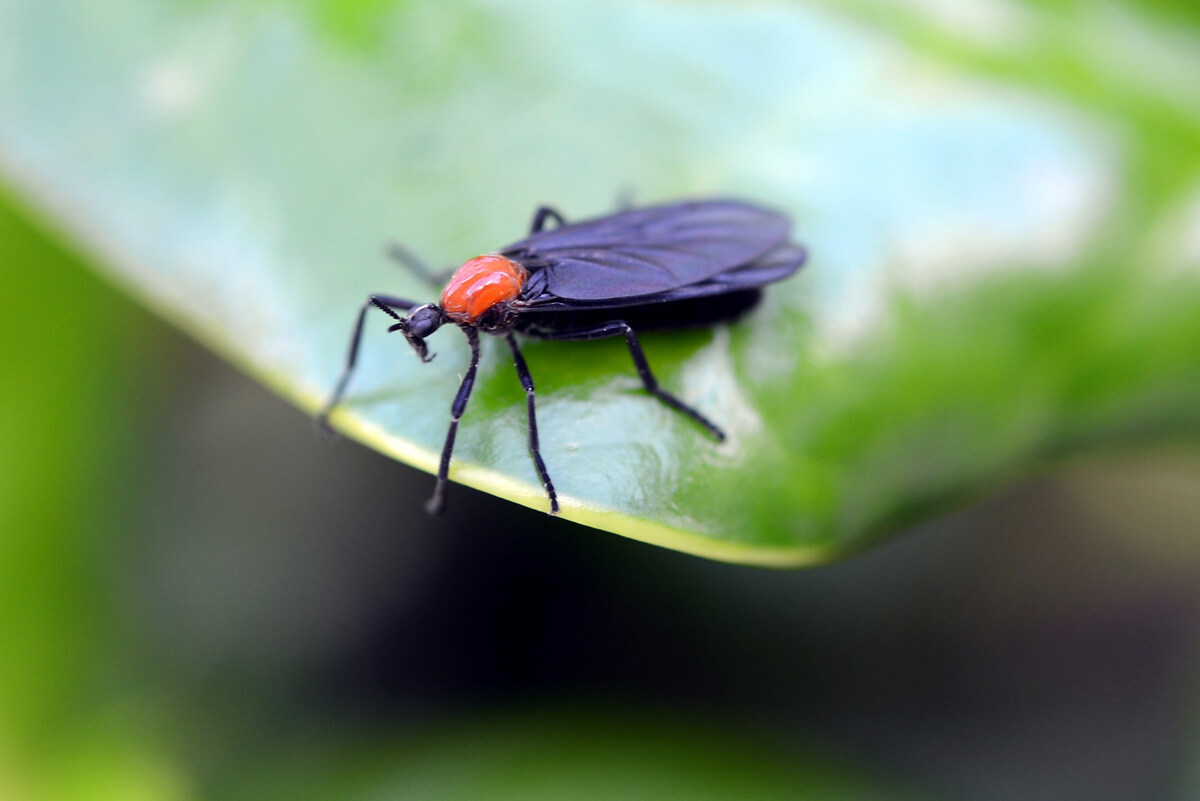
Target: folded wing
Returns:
[[643, 252]]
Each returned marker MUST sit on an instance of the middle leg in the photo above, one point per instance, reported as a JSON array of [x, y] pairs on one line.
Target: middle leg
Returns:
[[619, 328], [534, 449]]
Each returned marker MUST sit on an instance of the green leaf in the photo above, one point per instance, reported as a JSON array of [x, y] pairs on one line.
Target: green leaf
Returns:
[[1001, 215]]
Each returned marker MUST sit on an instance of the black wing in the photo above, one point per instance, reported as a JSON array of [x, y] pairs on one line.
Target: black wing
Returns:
[[774, 266], [647, 251]]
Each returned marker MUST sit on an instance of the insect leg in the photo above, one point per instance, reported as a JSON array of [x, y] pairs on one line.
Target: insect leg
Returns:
[[534, 450], [437, 503], [540, 217], [383, 303], [618, 328], [416, 266]]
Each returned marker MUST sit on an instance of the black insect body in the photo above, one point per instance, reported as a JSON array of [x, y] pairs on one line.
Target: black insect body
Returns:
[[671, 266]]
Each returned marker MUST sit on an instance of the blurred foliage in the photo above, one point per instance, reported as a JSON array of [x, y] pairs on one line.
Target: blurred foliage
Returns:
[[578, 753], [1000, 277], [71, 363]]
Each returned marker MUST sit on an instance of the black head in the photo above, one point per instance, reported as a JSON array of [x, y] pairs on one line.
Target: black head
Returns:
[[420, 323]]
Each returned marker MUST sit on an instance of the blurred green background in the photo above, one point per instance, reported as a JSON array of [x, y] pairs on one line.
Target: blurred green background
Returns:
[[199, 598]]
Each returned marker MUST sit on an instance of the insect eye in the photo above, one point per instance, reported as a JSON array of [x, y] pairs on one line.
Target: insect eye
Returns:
[[424, 321]]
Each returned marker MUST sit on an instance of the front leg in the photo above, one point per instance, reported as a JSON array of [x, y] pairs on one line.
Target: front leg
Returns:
[[384, 304], [437, 503], [413, 263], [541, 215]]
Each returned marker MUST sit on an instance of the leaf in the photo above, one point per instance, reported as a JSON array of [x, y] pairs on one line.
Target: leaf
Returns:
[[1001, 275]]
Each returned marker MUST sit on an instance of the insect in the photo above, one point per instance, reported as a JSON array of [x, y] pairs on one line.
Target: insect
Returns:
[[677, 265]]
